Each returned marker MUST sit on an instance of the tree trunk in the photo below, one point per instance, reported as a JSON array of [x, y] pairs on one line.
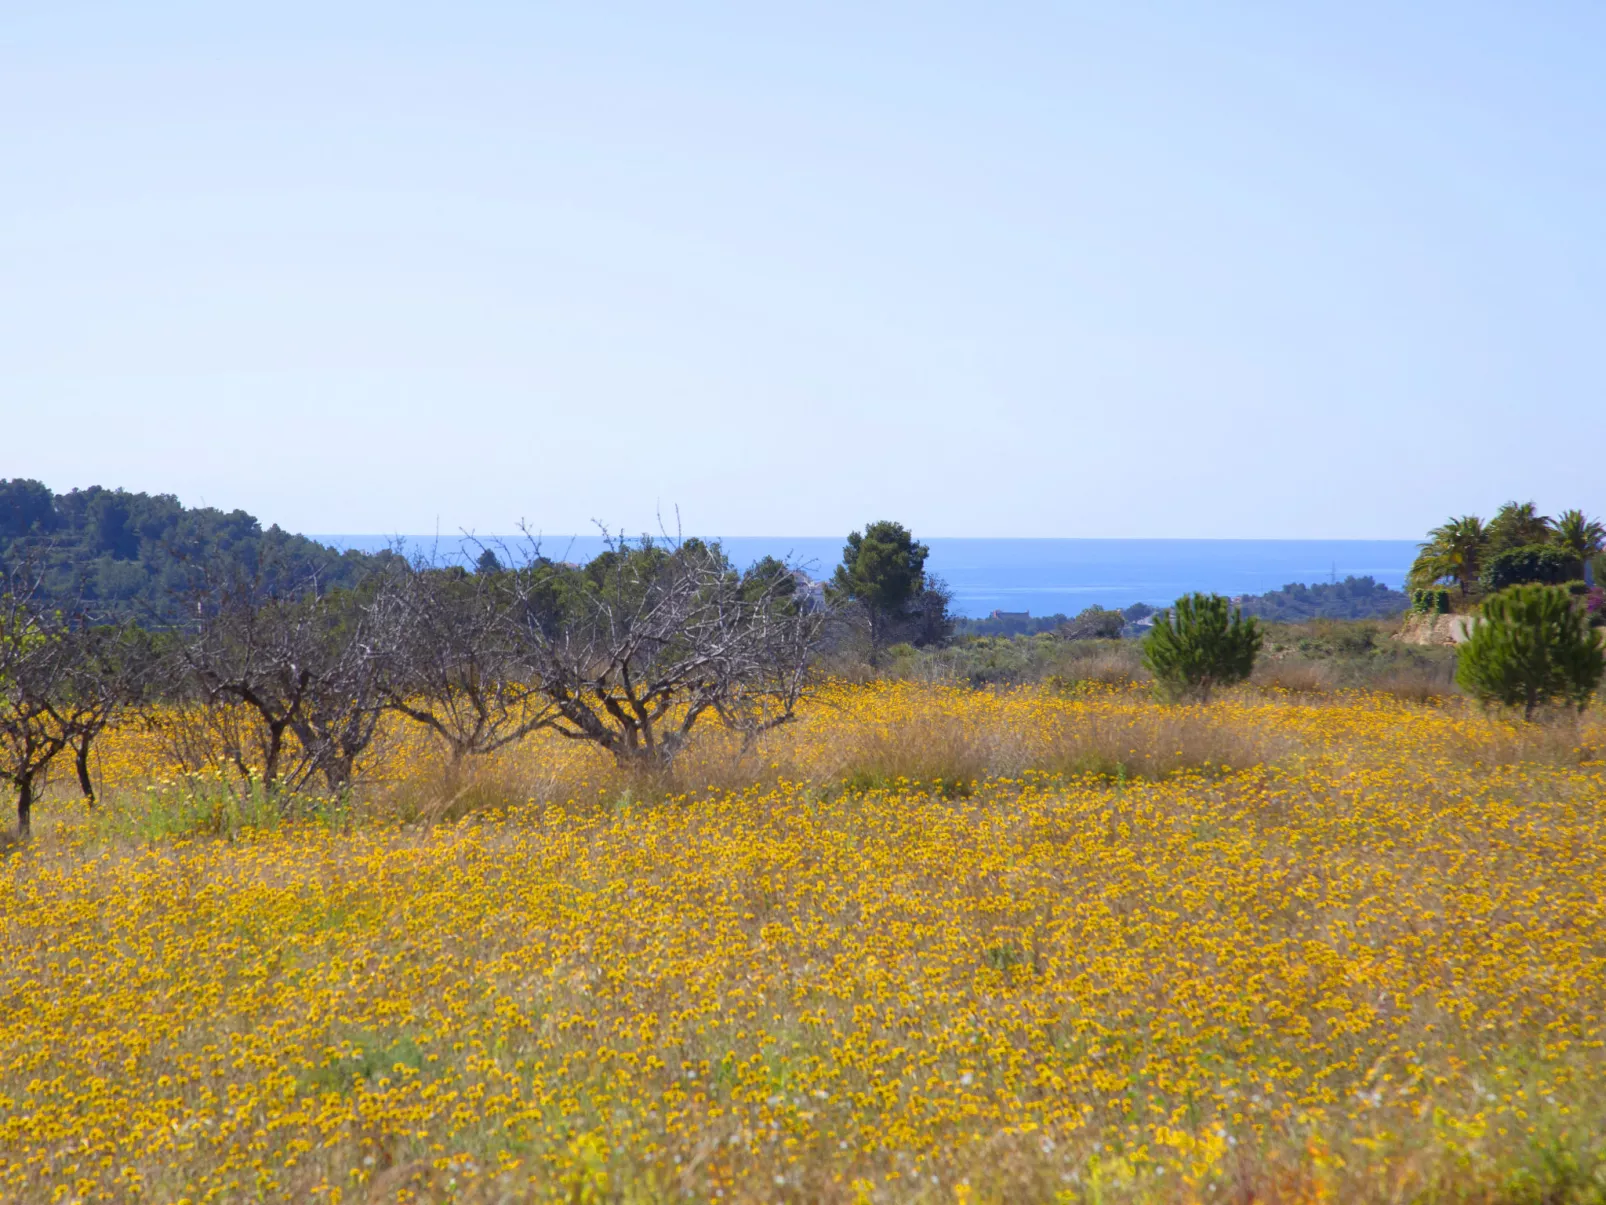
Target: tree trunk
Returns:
[[639, 758], [24, 806], [81, 756], [877, 632], [337, 770], [270, 756]]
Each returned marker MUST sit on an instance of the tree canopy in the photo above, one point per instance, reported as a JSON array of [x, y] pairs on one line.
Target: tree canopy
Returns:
[[125, 555], [883, 573], [1352, 598], [1518, 545]]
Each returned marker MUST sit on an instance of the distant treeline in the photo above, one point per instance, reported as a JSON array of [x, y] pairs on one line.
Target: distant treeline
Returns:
[[138, 556], [1010, 625], [125, 555], [1352, 598]]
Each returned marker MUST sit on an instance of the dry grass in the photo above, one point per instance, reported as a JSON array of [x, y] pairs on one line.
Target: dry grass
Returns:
[[956, 752], [1416, 683], [1560, 739], [1120, 666], [1159, 742], [1296, 675]]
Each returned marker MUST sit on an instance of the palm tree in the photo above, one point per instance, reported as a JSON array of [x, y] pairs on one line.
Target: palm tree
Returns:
[[1517, 524], [1582, 536], [1454, 549]]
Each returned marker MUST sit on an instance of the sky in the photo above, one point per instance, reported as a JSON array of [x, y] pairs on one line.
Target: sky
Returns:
[[1089, 270]]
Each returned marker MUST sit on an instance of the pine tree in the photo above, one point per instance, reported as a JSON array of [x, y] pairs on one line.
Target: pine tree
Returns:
[[1201, 643], [883, 570], [1531, 647]]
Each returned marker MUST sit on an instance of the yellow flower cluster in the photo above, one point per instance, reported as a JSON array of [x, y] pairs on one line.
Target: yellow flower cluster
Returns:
[[949, 946]]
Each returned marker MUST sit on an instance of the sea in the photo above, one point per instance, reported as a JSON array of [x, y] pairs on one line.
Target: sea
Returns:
[[1041, 577]]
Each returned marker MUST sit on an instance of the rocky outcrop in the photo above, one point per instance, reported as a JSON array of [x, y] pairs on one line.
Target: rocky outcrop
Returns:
[[1436, 629]]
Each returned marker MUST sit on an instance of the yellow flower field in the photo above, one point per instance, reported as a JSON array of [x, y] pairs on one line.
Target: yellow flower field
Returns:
[[945, 946]]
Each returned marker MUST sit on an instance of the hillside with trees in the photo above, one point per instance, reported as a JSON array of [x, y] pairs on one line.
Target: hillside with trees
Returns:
[[121, 555], [1352, 598]]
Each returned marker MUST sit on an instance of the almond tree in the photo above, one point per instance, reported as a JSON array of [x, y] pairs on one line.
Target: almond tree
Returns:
[[457, 660], [653, 638], [32, 679], [298, 663], [109, 669]]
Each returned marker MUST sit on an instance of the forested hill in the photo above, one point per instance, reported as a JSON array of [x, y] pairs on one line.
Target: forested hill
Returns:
[[1352, 598], [120, 555]]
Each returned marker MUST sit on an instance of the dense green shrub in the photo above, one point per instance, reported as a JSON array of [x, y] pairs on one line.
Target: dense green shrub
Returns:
[[1430, 602], [1544, 563], [1532, 646], [1201, 643], [1094, 623]]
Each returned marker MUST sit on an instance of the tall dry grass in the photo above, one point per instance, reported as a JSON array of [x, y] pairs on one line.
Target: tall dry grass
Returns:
[[945, 735], [909, 732], [1146, 743]]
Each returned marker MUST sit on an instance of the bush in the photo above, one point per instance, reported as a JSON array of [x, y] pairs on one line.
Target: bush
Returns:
[[1531, 647], [1095, 623], [1430, 602], [1199, 644], [1529, 563]]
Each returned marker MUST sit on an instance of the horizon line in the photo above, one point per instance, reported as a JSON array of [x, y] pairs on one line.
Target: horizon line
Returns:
[[470, 535]]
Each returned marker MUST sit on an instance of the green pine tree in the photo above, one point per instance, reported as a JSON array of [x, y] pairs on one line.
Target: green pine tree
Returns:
[[1530, 648], [1201, 643], [884, 571]]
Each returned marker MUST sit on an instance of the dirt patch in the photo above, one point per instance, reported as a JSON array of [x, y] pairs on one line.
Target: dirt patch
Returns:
[[1435, 629]]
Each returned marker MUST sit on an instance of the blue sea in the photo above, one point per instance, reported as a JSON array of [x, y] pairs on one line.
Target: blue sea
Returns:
[[1043, 577]]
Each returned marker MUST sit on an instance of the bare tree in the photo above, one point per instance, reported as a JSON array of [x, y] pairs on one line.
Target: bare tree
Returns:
[[649, 639], [243, 655], [299, 663], [457, 664], [348, 647], [32, 676], [109, 669]]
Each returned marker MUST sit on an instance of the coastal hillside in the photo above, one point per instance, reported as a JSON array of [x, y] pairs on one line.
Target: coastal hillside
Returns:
[[122, 555], [1352, 598]]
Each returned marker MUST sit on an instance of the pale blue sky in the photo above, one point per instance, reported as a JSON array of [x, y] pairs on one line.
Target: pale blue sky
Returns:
[[1009, 269]]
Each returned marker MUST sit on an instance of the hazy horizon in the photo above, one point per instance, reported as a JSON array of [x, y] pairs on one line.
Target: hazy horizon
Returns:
[[1044, 575], [327, 537]]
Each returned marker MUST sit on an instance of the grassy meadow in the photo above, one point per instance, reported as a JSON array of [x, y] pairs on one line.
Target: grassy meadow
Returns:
[[1050, 942]]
